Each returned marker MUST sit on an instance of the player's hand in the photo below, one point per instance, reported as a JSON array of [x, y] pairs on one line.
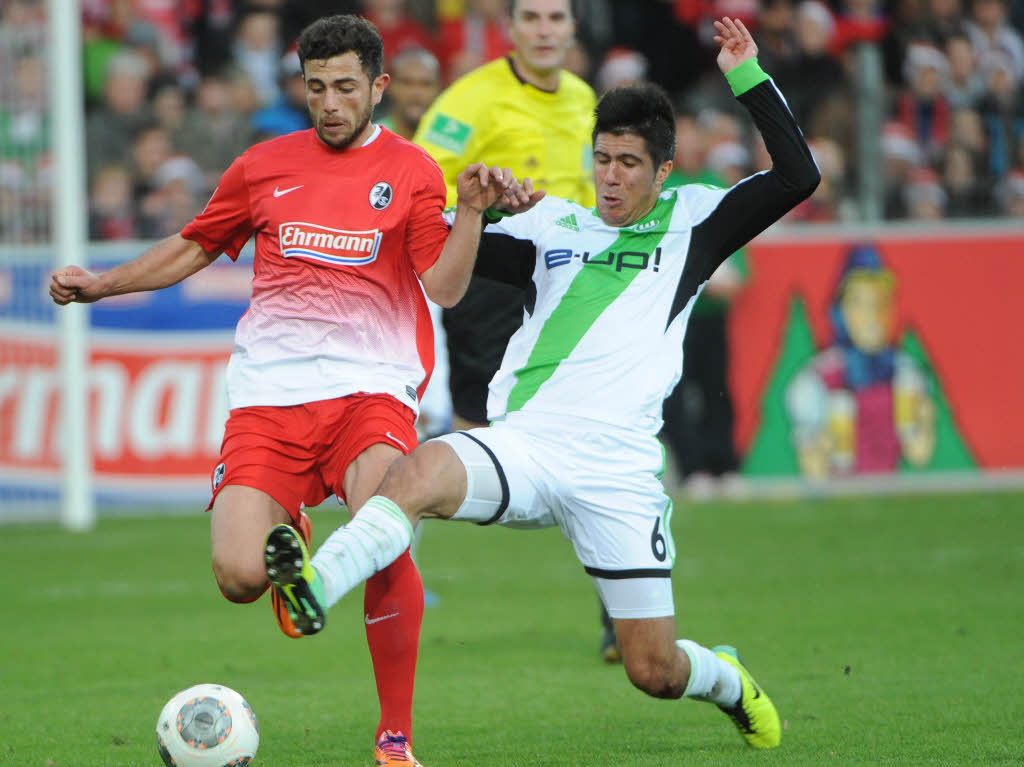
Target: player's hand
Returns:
[[74, 284], [737, 44], [479, 186], [519, 197]]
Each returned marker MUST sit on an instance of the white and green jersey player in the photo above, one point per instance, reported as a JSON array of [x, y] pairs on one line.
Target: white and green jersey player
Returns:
[[577, 400]]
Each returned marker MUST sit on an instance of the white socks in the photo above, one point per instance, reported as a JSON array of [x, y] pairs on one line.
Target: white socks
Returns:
[[376, 537], [711, 678]]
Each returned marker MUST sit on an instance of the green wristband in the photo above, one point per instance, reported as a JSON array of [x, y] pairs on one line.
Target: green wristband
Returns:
[[745, 76]]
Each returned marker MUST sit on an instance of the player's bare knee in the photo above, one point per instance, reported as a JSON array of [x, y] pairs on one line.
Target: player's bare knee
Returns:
[[656, 678], [417, 482], [239, 584]]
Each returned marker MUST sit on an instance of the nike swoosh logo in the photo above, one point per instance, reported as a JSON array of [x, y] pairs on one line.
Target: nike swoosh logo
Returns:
[[757, 691], [393, 438], [370, 621], [282, 192]]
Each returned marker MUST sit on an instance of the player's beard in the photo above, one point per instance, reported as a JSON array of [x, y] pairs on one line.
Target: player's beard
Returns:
[[343, 142]]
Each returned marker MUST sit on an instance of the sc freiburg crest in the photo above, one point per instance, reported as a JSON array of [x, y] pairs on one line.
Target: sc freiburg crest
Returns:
[[380, 195]]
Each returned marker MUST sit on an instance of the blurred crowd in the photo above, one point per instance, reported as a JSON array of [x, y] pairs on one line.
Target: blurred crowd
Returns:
[[175, 90]]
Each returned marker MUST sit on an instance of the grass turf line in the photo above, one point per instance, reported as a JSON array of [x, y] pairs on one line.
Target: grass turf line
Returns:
[[887, 631]]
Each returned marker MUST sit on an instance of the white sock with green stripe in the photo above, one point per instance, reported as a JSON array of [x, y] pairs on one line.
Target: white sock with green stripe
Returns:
[[376, 537], [711, 678]]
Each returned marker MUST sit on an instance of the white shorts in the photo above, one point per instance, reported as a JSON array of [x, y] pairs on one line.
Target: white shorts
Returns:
[[600, 485]]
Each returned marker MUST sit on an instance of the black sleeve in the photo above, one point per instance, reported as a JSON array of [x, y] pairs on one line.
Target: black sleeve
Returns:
[[505, 259], [755, 203]]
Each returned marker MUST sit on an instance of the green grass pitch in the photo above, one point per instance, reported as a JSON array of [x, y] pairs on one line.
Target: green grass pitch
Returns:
[[888, 631]]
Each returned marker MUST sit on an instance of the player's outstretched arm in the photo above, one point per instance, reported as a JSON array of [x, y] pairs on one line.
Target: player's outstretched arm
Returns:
[[167, 262], [479, 187]]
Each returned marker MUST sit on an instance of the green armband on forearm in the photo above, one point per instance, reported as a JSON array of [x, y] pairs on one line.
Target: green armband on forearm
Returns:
[[745, 76]]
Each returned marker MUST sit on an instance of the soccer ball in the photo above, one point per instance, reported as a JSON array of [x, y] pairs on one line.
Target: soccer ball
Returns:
[[208, 725]]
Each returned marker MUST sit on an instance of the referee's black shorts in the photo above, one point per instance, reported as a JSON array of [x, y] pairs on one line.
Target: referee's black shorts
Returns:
[[478, 329]]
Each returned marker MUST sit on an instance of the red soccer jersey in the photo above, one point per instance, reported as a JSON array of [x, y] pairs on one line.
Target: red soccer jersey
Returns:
[[341, 237]]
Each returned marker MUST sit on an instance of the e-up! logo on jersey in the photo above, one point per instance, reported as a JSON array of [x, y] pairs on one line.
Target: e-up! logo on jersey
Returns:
[[624, 259], [330, 246], [380, 195], [568, 222], [449, 133]]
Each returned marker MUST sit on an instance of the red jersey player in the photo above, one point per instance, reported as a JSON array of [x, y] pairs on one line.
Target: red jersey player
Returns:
[[336, 347]]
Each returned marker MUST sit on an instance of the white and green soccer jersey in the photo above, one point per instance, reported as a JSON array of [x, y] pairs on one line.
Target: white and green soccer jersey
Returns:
[[603, 337]]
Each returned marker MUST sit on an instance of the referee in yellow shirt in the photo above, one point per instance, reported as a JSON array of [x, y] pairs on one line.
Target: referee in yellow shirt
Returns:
[[522, 112]]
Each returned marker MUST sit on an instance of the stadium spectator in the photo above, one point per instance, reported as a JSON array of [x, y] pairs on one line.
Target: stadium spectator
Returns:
[[925, 198], [1002, 111], [478, 35], [289, 112], [989, 30], [214, 131], [858, 21], [944, 20], [777, 47], [150, 149], [112, 205], [397, 27], [965, 86], [178, 193], [415, 83], [108, 29], [922, 107], [621, 66], [968, 193], [170, 109], [598, 389], [900, 156], [24, 118], [256, 50], [322, 388], [829, 201], [814, 75], [110, 129], [1011, 195]]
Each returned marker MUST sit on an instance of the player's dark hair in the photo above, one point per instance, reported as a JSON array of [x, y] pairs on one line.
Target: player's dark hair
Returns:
[[644, 110], [571, 3], [336, 35]]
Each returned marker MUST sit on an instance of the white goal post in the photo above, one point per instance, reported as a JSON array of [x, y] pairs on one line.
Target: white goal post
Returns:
[[69, 238]]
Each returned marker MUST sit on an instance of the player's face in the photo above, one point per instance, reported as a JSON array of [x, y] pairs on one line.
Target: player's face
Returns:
[[625, 179], [414, 86], [542, 32], [341, 99]]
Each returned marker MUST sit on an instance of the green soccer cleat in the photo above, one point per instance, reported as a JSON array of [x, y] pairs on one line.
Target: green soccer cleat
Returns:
[[754, 714], [295, 581]]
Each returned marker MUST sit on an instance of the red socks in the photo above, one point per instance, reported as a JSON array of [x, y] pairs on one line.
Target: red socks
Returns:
[[393, 613]]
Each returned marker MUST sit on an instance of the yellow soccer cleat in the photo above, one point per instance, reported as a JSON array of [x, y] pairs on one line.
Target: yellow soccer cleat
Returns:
[[297, 585], [393, 750], [277, 603], [754, 715]]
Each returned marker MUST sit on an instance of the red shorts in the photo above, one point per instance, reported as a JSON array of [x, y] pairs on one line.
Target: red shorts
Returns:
[[299, 454]]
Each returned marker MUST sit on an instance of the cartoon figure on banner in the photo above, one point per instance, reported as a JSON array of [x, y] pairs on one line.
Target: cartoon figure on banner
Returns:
[[861, 405]]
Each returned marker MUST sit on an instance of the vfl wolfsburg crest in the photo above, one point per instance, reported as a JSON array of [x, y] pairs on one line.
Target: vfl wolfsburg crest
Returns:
[[568, 222]]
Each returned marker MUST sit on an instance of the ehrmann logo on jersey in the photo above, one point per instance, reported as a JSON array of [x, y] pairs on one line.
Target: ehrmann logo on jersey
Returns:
[[330, 246], [624, 259]]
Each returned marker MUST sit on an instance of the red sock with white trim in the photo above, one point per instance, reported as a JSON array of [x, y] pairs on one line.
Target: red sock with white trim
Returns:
[[393, 612]]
